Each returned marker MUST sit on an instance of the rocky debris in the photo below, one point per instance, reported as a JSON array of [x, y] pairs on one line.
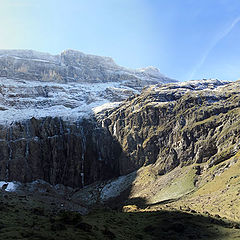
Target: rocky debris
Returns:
[[4, 186], [102, 192]]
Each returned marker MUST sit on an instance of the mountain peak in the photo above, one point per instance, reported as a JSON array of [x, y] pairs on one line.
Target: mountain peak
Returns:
[[81, 58], [72, 66]]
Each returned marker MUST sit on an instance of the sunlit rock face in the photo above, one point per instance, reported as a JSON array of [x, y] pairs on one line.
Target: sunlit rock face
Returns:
[[73, 66], [177, 125]]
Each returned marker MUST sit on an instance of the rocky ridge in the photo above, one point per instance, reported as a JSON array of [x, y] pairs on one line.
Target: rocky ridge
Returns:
[[71, 85], [73, 66]]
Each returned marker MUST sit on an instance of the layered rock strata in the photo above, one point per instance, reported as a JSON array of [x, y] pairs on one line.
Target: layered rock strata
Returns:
[[73, 154], [177, 125]]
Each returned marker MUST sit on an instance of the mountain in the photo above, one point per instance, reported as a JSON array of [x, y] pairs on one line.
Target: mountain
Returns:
[[73, 66], [69, 85], [48, 105], [80, 135]]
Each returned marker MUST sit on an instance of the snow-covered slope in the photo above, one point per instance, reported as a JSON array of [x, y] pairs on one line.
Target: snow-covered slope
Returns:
[[21, 99], [71, 85]]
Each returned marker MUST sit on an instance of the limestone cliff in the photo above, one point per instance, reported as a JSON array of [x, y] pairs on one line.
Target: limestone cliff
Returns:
[[48, 105], [168, 126], [73, 66], [178, 124], [73, 154]]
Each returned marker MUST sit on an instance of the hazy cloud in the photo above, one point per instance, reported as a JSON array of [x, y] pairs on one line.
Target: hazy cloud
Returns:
[[213, 44]]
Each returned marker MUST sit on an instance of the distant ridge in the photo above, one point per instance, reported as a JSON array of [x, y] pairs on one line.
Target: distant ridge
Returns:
[[72, 66]]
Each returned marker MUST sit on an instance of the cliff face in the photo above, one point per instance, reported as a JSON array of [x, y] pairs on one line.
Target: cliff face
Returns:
[[168, 126], [73, 154], [178, 125], [44, 100], [43, 134], [72, 66]]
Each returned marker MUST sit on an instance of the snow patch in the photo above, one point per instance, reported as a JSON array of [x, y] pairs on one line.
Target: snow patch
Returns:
[[106, 106], [21, 100], [11, 187]]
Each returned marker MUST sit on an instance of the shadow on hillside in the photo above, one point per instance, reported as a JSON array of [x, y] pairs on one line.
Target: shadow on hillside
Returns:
[[141, 203], [174, 225], [23, 220], [170, 224]]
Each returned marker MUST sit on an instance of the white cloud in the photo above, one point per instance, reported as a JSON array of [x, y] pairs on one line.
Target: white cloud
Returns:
[[221, 36]]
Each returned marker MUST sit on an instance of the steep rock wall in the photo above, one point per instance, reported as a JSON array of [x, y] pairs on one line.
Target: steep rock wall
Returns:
[[178, 125], [74, 154], [168, 126]]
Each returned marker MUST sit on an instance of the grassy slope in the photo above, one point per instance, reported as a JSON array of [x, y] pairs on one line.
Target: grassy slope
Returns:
[[220, 196], [33, 219], [172, 206]]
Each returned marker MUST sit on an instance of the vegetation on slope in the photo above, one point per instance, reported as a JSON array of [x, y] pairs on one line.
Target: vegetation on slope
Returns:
[[30, 218]]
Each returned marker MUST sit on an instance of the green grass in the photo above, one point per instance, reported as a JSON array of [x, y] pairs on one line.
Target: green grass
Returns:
[[35, 219], [179, 187]]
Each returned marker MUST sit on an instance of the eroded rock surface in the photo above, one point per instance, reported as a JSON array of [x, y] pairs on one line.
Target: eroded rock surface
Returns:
[[178, 124], [74, 154], [169, 126], [73, 66]]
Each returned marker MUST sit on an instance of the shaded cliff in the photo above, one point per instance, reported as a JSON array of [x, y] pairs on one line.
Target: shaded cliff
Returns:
[[74, 154]]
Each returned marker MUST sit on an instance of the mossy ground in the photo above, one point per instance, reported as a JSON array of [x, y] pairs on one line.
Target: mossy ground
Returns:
[[33, 219], [180, 210], [178, 187]]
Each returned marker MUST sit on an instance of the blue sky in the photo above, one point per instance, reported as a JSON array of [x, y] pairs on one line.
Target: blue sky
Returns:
[[185, 39]]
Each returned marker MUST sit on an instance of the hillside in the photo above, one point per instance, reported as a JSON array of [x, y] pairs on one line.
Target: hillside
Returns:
[[92, 150]]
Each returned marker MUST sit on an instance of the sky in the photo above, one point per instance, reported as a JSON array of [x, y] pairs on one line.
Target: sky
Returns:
[[185, 39]]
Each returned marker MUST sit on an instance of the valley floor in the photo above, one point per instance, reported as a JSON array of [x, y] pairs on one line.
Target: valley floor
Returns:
[[30, 217]]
